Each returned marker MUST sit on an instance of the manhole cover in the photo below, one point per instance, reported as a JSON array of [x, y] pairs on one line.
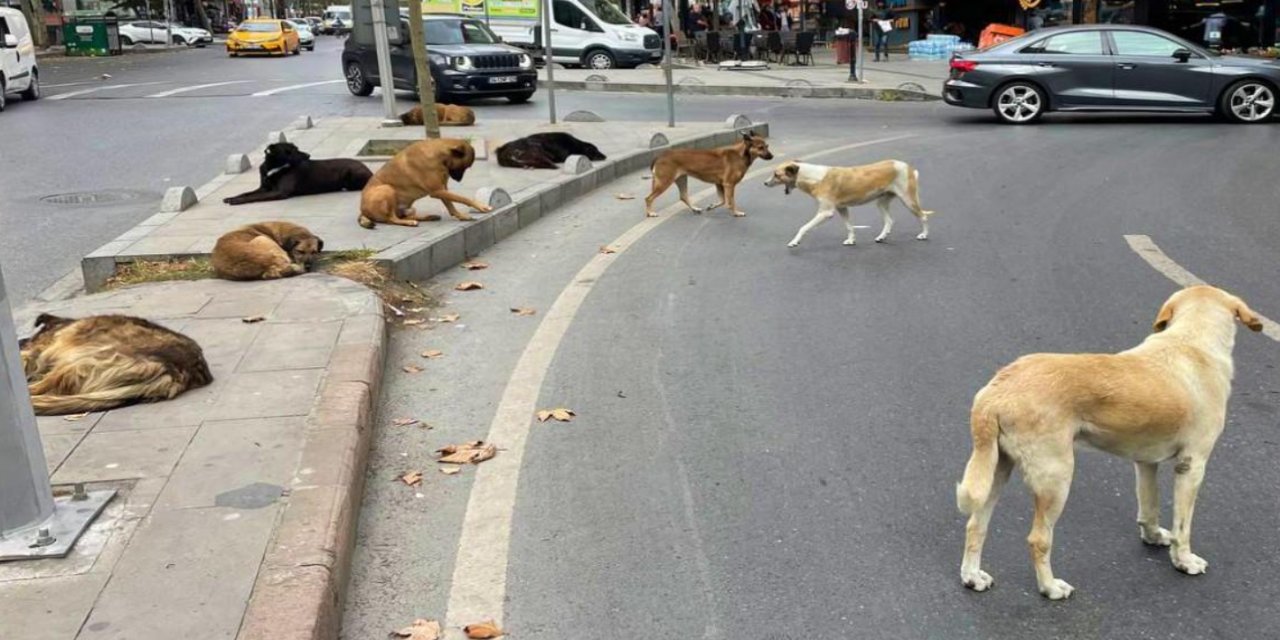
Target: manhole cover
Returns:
[[97, 198]]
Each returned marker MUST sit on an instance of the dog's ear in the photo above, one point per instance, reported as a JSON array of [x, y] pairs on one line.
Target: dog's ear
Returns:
[[458, 151], [319, 244], [1163, 318], [792, 170], [289, 243], [48, 319], [746, 137], [1246, 315]]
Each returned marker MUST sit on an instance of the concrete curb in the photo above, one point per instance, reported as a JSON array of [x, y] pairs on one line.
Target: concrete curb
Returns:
[[699, 88], [298, 593]]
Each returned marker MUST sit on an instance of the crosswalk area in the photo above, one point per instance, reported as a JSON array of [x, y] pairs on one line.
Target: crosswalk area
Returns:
[[154, 90]]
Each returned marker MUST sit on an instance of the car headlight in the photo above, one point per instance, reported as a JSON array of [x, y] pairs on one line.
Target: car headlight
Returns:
[[462, 63], [526, 61], [630, 37]]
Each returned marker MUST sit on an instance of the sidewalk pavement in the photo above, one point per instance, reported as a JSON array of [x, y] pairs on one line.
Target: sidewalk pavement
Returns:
[[238, 500], [412, 252], [898, 79]]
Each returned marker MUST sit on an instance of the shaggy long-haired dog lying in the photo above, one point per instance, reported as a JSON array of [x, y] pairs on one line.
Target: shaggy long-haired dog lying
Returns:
[[103, 362]]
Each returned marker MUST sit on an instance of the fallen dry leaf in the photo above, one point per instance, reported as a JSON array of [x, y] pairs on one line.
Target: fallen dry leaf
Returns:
[[432, 353], [624, 196], [483, 631], [253, 319], [411, 478], [405, 422], [449, 317], [411, 368], [412, 321], [523, 311], [475, 266], [469, 285], [450, 471], [467, 453], [75, 417], [561, 414], [607, 249], [420, 630]]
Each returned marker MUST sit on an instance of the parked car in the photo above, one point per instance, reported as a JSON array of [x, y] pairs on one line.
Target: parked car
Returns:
[[1110, 68], [306, 37], [156, 32], [316, 22], [337, 20], [466, 59], [18, 70], [264, 35]]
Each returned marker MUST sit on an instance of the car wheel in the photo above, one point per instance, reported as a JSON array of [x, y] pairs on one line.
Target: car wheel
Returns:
[[1019, 103], [126, 41], [520, 98], [357, 83], [2, 90], [1248, 102], [311, 48], [33, 92], [598, 59], [179, 40]]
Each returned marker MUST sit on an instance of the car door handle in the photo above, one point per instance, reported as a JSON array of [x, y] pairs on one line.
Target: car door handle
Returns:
[[1127, 66], [1046, 64]]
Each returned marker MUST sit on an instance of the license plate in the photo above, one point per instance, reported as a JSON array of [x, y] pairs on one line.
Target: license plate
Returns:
[[502, 80], [1214, 35], [253, 46]]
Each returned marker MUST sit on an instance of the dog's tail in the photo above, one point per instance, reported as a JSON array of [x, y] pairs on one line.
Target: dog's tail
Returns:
[[972, 492], [59, 405]]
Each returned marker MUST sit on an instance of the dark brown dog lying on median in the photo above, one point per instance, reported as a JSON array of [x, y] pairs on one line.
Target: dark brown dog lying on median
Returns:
[[288, 171], [545, 151], [103, 362], [448, 115], [265, 251]]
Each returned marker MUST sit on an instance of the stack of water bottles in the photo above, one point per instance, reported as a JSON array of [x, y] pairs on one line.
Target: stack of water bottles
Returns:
[[937, 46]]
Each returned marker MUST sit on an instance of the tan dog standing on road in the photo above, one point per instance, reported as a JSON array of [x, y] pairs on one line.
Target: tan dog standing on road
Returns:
[[723, 167], [838, 188], [265, 251], [448, 115], [421, 169], [1163, 400]]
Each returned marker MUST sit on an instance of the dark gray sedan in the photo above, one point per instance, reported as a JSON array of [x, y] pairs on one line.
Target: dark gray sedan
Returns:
[[1110, 68]]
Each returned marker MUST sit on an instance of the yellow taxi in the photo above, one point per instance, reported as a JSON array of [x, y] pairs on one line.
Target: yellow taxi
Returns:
[[264, 35]]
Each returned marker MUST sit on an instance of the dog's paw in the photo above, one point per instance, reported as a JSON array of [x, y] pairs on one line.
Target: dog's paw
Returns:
[[650, 214], [1160, 538], [1057, 590], [793, 244], [922, 236], [1190, 564], [849, 242], [881, 237], [978, 580], [410, 223], [739, 214], [484, 208], [698, 210], [462, 217]]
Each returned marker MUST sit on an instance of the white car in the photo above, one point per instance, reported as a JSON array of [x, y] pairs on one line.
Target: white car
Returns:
[[18, 72], [306, 38], [155, 32]]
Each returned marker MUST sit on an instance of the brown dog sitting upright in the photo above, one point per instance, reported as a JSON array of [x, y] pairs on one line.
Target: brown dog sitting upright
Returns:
[[723, 167], [103, 362], [421, 169], [265, 251], [448, 115]]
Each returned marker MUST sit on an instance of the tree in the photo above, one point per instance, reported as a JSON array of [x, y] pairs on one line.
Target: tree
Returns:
[[34, 13], [1090, 12]]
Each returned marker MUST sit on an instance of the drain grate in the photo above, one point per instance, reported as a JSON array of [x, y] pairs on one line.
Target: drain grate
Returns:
[[98, 198]]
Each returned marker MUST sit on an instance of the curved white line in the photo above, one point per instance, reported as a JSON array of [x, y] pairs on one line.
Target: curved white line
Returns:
[[479, 585], [292, 87], [194, 87]]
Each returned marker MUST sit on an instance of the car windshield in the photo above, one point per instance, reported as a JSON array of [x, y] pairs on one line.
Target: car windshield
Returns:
[[607, 11], [458, 32], [259, 27]]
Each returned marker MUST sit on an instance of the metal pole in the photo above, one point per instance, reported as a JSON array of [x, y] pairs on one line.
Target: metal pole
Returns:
[[546, 59], [486, 12], [666, 62], [168, 23], [383, 51], [862, 57]]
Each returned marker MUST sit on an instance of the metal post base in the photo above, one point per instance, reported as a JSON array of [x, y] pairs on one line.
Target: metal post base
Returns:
[[389, 123], [55, 537]]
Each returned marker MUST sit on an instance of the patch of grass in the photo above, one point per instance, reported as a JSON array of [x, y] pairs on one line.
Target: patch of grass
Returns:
[[160, 271], [404, 300]]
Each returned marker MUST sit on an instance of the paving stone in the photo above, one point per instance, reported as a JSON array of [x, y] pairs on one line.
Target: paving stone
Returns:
[[291, 346], [49, 609], [61, 426], [57, 448], [243, 306], [225, 341], [186, 410], [125, 454], [226, 456], [268, 394]]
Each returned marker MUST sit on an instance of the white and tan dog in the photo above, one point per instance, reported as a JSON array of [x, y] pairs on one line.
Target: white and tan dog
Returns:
[[1163, 400], [838, 188]]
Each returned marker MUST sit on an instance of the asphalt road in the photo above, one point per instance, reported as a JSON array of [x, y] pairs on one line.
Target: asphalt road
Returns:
[[768, 439]]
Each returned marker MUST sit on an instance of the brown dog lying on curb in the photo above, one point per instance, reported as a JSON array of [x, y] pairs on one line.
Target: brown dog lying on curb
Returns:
[[421, 169], [265, 251], [103, 362], [723, 167], [1164, 400], [448, 115]]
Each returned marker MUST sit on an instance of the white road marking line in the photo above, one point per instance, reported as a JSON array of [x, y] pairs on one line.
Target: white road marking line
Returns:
[[479, 586], [1146, 249], [65, 84], [272, 92], [72, 94], [194, 87]]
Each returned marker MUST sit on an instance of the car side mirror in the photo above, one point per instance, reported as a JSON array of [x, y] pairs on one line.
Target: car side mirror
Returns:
[[1182, 55], [10, 41]]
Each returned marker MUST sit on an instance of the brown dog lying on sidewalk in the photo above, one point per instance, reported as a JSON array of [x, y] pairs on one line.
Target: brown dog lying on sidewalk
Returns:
[[723, 167], [103, 362], [265, 251], [288, 171], [421, 169], [1164, 400], [448, 115]]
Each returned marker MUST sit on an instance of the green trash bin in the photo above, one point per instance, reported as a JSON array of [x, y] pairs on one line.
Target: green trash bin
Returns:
[[92, 36]]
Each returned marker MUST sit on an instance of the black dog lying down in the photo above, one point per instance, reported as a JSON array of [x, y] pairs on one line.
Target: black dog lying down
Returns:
[[545, 151], [289, 171]]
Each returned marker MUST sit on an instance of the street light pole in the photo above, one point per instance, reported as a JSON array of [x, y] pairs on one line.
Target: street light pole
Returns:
[[666, 61], [546, 59], [383, 51], [861, 55]]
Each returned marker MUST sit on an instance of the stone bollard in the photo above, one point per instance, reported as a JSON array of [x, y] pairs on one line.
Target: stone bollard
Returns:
[[495, 197], [576, 165], [238, 163], [583, 116], [275, 136], [303, 123], [658, 140], [737, 121], [178, 199], [595, 82]]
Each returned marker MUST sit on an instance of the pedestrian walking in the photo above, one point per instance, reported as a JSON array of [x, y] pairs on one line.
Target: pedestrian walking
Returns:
[[882, 25]]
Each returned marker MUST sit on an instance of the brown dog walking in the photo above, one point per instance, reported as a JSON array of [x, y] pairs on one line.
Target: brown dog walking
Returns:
[[724, 167]]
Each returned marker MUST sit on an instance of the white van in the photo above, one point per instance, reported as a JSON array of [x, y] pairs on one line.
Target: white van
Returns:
[[336, 19], [18, 73], [592, 33]]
